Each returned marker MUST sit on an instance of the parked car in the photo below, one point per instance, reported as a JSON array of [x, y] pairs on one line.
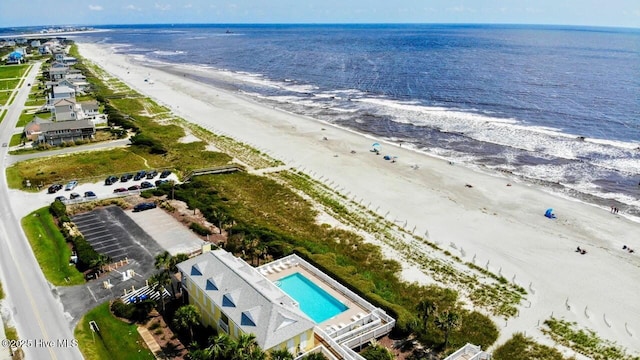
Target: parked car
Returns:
[[119, 190], [126, 177], [111, 180], [151, 174], [89, 194], [134, 187], [54, 188], [140, 175], [74, 196], [60, 198], [165, 173], [71, 185], [146, 185], [144, 206], [160, 182]]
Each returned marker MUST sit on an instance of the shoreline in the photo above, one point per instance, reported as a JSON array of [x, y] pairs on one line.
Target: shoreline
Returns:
[[503, 225], [222, 80]]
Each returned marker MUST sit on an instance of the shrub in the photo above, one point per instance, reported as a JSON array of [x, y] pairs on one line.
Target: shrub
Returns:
[[86, 254], [199, 229], [58, 209]]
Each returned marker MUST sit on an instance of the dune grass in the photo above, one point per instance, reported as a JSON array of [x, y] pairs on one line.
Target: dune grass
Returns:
[[50, 248], [116, 339]]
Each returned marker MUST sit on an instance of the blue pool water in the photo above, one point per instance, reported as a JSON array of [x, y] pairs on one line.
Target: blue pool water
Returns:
[[314, 301]]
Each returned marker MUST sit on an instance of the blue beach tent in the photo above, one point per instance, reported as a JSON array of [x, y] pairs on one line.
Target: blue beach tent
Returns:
[[549, 213]]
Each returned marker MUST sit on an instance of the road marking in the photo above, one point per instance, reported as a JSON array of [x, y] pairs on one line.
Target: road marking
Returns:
[[91, 292]]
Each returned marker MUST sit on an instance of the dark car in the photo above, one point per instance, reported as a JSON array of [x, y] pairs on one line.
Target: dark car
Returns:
[[160, 182], [119, 190], [134, 187], [74, 196], [144, 206], [165, 173], [60, 198], [146, 185], [54, 188], [140, 175], [152, 174], [89, 194], [111, 180], [126, 177]]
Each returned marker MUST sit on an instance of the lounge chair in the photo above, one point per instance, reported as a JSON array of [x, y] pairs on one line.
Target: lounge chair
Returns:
[[277, 268]]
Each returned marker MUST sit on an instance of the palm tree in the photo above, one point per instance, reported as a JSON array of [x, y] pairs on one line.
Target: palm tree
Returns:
[[99, 262], [163, 261], [158, 283], [446, 322], [425, 309], [185, 318], [177, 260], [220, 346], [247, 348], [280, 354]]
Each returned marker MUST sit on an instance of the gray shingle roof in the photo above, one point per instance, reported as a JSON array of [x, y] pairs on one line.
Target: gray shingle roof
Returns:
[[66, 125], [248, 299]]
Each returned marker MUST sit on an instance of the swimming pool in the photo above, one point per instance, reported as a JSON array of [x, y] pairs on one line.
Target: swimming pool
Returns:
[[318, 304]]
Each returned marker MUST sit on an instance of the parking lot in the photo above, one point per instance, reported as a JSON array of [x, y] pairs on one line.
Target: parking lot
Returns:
[[168, 232], [111, 232]]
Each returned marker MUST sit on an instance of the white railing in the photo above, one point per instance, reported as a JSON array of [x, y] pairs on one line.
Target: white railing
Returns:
[[318, 349], [470, 349], [345, 352]]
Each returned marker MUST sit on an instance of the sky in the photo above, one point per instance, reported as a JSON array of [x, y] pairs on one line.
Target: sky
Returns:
[[618, 13]]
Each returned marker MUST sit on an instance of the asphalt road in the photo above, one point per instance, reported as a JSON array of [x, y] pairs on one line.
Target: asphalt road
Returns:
[[39, 316]]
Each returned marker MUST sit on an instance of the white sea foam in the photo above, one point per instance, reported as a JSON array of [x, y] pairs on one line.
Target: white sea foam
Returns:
[[168, 53]]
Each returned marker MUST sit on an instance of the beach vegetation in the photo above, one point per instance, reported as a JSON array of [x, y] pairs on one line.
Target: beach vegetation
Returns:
[[50, 247], [521, 347], [266, 218], [585, 341], [115, 340]]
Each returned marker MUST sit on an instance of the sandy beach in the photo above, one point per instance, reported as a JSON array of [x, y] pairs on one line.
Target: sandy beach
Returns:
[[497, 224]]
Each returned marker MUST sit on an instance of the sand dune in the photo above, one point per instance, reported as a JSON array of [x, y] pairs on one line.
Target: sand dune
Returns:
[[499, 224]]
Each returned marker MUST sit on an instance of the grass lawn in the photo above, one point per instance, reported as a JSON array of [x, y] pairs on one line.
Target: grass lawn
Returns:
[[2, 114], [4, 96], [116, 340], [50, 248], [16, 139], [12, 71], [83, 166], [9, 84], [24, 119]]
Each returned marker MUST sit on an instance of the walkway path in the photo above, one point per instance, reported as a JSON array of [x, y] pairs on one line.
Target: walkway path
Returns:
[[151, 342]]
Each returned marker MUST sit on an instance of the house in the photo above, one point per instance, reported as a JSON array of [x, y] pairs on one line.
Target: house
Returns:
[[57, 73], [35, 43], [68, 60], [54, 133], [67, 109], [233, 298], [15, 57], [287, 304], [32, 129], [62, 92], [90, 109]]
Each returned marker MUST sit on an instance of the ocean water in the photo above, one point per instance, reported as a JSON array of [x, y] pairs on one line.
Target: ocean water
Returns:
[[556, 106]]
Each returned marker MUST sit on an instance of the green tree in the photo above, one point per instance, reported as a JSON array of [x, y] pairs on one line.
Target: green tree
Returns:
[[185, 318], [163, 261], [246, 348], [425, 309], [158, 283], [446, 322], [220, 346], [377, 352], [280, 354]]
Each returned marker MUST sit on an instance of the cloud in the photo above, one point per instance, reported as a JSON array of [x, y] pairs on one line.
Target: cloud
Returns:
[[95, 8], [132, 7], [188, 6], [163, 7]]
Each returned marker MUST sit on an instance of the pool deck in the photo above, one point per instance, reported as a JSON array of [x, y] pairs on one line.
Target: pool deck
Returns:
[[341, 320]]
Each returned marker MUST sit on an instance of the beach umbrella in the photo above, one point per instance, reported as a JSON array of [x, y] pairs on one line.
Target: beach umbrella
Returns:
[[549, 213]]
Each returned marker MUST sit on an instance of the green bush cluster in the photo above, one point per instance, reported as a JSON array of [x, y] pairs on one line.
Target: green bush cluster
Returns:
[[87, 256], [155, 146], [199, 229], [115, 117], [137, 312], [521, 347]]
